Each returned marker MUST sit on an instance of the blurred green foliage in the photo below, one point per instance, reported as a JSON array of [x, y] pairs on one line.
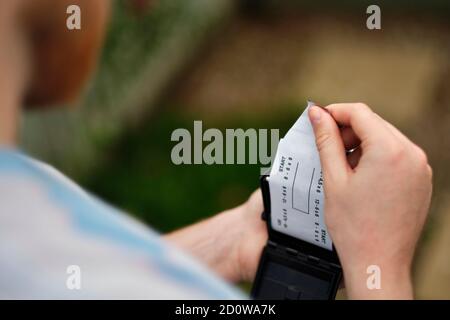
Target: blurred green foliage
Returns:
[[139, 176]]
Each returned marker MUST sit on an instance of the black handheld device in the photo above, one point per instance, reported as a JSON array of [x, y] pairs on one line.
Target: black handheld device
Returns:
[[293, 269]]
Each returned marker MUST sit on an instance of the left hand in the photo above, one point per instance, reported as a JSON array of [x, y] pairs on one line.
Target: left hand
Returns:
[[230, 243], [253, 237]]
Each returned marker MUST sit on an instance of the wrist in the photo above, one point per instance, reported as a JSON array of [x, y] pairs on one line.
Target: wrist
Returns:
[[230, 236], [230, 243], [230, 233], [253, 236], [227, 232], [378, 280], [214, 242]]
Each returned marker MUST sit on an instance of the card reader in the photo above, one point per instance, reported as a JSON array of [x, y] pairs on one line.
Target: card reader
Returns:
[[293, 269]]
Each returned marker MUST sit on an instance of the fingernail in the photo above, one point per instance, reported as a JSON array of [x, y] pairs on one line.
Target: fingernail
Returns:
[[314, 114]]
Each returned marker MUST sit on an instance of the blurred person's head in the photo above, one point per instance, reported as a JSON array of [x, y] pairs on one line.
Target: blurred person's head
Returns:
[[42, 62], [62, 59]]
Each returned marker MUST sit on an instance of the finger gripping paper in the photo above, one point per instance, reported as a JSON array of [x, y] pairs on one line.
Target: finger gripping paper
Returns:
[[296, 186]]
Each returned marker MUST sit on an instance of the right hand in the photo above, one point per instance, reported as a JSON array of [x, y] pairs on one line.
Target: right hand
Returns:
[[376, 198]]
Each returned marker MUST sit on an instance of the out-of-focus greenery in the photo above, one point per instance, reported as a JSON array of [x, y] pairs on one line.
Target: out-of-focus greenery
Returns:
[[136, 173], [140, 177]]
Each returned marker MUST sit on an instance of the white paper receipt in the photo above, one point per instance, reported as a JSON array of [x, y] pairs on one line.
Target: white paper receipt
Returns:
[[296, 186]]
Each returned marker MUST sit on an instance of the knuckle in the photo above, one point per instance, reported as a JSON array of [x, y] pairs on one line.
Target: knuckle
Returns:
[[429, 172], [322, 140], [399, 154], [394, 153], [421, 156], [360, 106]]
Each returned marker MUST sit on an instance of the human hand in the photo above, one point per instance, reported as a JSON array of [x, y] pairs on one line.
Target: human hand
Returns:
[[253, 236], [230, 243], [376, 198]]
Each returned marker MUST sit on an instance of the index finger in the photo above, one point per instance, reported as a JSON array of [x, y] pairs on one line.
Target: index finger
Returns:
[[366, 125]]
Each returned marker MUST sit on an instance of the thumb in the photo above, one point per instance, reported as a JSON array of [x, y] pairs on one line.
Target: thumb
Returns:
[[329, 143]]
